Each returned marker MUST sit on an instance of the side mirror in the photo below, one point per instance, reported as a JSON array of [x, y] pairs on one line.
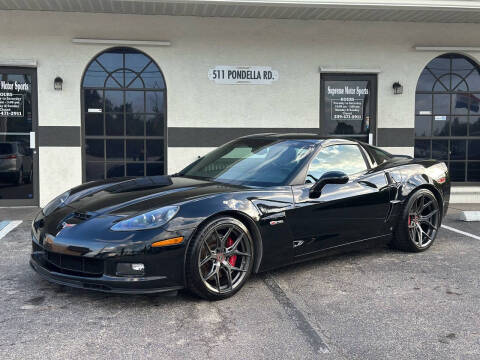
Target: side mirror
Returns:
[[331, 177]]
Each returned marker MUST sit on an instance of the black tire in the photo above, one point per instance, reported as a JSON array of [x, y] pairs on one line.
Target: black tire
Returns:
[[418, 225], [225, 268]]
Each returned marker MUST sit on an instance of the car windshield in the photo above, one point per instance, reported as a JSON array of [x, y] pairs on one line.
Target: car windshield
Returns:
[[6, 149], [253, 161]]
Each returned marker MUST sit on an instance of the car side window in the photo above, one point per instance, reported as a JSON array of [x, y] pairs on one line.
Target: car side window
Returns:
[[345, 158], [380, 155]]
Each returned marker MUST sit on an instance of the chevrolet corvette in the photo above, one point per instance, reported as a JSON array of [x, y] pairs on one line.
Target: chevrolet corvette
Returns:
[[254, 204]]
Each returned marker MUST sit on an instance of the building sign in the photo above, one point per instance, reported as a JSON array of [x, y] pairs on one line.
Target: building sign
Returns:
[[237, 75], [346, 102], [11, 99]]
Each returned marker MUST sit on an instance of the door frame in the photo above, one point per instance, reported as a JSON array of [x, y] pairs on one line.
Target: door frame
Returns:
[[35, 200], [346, 76]]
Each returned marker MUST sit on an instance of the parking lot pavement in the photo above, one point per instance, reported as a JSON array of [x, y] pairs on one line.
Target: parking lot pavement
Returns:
[[373, 304]]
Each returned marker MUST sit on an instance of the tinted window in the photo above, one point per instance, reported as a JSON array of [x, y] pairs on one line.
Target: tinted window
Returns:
[[257, 162], [345, 158], [447, 107], [124, 115]]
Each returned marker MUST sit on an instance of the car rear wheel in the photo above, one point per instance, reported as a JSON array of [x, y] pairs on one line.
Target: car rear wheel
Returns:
[[219, 259], [418, 226]]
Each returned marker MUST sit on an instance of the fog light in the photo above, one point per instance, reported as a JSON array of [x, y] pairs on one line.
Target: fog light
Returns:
[[126, 269], [138, 267]]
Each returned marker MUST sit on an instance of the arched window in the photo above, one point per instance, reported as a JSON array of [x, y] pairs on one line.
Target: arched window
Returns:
[[124, 116], [447, 115]]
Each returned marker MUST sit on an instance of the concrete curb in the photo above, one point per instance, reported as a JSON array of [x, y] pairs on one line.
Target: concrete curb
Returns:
[[465, 195], [469, 216]]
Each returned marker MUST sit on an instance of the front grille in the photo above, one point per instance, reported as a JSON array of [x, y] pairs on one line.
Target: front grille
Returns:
[[79, 264], [74, 265]]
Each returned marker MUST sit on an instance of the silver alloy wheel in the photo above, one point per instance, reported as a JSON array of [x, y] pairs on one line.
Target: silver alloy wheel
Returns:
[[224, 258], [423, 220]]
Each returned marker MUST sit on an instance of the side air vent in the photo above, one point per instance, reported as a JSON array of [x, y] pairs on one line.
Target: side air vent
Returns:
[[82, 216]]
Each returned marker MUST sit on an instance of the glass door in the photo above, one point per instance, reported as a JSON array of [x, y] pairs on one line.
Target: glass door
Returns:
[[18, 123], [348, 106]]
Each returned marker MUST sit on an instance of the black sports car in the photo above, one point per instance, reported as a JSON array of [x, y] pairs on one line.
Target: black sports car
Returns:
[[253, 204]]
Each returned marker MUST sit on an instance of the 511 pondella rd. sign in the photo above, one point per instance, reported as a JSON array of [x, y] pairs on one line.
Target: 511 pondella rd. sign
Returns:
[[246, 75]]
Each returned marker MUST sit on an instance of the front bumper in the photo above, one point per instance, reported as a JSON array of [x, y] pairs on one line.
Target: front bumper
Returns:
[[104, 283], [87, 255]]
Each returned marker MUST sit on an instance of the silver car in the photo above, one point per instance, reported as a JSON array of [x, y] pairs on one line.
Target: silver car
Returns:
[[15, 163]]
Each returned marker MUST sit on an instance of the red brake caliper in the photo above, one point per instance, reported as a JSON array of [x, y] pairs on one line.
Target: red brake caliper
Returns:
[[232, 259]]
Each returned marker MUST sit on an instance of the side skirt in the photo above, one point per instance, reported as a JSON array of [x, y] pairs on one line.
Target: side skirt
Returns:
[[340, 249]]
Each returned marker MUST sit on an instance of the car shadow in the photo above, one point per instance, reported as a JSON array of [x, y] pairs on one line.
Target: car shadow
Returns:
[[328, 260], [72, 296]]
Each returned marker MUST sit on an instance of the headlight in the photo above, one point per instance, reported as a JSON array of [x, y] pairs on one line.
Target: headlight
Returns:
[[149, 220], [59, 201]]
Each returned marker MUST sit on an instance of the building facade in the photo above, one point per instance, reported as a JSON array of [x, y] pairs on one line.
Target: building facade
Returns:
[[91, 93]]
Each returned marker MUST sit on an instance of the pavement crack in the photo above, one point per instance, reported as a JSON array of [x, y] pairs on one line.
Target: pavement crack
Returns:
[[301, 322]]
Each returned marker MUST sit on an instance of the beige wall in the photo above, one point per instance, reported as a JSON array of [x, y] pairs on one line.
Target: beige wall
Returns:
[[296, 49]]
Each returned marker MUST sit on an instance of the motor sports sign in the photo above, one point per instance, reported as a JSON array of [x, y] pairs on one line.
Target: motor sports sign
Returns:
[[347, 102], [242, 75], [12, 98]]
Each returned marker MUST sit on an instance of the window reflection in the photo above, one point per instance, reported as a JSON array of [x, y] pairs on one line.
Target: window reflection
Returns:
[[124, 110], [345, 158], [447, 122], [16, 157]]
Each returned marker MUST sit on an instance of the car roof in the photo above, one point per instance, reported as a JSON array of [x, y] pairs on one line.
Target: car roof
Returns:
[[302, 136]]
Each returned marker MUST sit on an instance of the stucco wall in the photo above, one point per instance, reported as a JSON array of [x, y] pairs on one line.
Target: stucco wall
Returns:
[[296, 49]]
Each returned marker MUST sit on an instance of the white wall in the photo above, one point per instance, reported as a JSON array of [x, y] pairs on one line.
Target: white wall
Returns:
[[295, 48], [60, 169]]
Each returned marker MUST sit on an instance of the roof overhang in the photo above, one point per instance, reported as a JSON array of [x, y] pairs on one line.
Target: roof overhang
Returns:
[[443, 11]]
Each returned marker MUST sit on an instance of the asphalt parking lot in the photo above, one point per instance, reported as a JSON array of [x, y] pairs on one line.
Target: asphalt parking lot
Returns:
[[374, 304]]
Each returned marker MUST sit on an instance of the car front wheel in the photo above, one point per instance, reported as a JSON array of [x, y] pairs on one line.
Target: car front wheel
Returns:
[[219, 259]]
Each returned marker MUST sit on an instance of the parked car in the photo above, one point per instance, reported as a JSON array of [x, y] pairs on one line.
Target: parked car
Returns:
[[15, 163], [251, 205]]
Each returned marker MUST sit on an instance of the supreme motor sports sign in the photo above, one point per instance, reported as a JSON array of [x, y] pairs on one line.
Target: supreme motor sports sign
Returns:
[[242, 75], [12, 98]]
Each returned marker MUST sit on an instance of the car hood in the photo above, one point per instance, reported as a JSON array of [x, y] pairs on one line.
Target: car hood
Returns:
[[135, 195]]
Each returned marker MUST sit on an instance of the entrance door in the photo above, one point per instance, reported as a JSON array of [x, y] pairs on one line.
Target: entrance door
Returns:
[[348, 106], [18, 124]]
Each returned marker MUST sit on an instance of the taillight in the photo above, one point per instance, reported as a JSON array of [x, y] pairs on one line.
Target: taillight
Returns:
[[8, 157], [442, 180]]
